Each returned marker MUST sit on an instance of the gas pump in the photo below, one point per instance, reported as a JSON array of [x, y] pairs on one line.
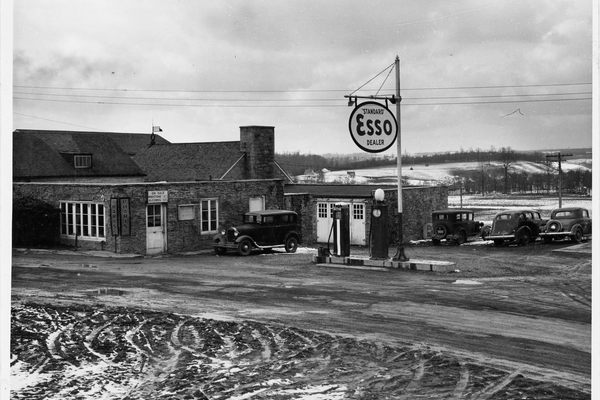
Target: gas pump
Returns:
[[341, 230], [379, 240]]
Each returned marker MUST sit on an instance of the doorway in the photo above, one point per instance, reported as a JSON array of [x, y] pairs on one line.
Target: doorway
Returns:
[[156, 238]]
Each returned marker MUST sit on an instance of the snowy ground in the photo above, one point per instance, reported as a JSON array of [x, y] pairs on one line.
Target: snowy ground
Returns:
[[433, 174]]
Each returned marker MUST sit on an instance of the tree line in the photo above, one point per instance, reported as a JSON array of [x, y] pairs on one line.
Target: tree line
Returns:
[[495, 172]]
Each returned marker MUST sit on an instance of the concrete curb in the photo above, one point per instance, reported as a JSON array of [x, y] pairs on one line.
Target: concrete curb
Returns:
[[366, 263]]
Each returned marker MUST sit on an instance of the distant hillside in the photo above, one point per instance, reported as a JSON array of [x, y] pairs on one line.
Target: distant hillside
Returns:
[[474, 177], [298, 164]]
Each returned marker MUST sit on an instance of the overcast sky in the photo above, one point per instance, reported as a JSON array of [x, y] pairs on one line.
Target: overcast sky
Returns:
[[202, 69]]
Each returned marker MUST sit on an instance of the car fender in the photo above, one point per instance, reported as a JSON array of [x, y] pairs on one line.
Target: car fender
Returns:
[[219, 238], [485, 231], [242, 237], [292, 233], [575, 227]]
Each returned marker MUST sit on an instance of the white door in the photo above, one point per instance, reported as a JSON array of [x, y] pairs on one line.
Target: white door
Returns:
[[156, 239], [324, 221], [357, 225]]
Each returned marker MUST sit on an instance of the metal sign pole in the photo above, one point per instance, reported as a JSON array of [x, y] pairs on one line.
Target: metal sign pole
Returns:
[[399, 256]]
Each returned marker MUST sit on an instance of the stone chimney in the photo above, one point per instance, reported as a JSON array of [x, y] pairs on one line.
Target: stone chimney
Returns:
[[258, 142]]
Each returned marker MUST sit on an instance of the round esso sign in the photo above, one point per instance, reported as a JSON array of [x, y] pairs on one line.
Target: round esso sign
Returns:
[[373, 127]]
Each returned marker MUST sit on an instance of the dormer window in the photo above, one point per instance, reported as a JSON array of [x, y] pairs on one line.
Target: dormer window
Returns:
[[82, 160]]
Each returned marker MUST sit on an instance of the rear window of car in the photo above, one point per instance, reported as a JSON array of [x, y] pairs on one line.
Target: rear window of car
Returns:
[[565, 214], [503, 217]]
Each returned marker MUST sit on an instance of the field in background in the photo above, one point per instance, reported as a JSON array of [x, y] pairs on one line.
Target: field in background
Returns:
[[432, 174]]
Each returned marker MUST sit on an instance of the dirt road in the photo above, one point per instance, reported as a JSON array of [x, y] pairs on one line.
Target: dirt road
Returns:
[[513, 322]]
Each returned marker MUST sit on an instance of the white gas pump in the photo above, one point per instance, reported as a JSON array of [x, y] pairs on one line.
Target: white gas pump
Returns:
[[341, 230]]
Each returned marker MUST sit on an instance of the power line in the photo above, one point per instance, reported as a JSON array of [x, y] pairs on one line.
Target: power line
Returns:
[[292, 106], [54, 120], [290, 100], [295, 90]]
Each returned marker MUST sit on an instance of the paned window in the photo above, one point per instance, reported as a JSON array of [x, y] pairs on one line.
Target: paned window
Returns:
[[84, 219], [209, 215], [358, 211], [322, 210], [82, 160], [154, 217]]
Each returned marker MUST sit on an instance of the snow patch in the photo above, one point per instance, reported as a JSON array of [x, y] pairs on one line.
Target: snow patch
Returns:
[[466, 282]]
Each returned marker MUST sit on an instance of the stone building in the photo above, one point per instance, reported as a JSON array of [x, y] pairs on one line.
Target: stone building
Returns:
[[315, 204], [149, 196], [138, 193]]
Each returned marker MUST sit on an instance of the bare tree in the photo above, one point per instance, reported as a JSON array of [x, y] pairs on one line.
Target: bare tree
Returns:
[[507, 157]]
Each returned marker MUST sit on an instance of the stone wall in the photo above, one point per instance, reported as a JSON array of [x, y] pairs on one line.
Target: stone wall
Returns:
[[303, 204], [233, 201]]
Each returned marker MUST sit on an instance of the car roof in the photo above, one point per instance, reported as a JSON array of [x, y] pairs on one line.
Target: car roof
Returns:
[[568, 209], [270, 212], [517, 211], [453, 211]]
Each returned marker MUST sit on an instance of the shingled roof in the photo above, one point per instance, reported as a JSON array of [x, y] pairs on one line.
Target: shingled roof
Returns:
[[190, 161], [49, 154]]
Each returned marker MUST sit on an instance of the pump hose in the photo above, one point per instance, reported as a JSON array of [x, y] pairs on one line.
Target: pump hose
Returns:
[[329, 238]]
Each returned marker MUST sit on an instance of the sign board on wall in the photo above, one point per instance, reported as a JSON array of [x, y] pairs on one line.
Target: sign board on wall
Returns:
[[114, 217], [125, 216], [158, 196], [120, 216], [373, 127]]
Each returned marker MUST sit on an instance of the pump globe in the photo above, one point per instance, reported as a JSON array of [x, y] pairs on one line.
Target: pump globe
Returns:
[[379, 195]]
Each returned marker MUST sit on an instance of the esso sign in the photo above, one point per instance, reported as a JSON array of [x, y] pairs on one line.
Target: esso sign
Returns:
[[373, 127]]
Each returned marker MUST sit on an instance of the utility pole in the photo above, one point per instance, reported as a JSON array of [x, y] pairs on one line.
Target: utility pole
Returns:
[[559, 156], [399, 256]]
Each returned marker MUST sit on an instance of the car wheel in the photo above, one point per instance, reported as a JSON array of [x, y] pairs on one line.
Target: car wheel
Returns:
[[577, 235], [245, 247], [220, 251], [291, 244], [436, 242], [498, 242], [523, 236], [548, 239]]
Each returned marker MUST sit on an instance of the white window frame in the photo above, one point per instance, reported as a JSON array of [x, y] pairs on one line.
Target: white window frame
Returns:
[[87, 221], [213, 203], [82, 160]]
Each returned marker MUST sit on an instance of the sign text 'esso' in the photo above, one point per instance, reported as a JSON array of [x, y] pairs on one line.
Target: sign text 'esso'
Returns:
[[373, 127]]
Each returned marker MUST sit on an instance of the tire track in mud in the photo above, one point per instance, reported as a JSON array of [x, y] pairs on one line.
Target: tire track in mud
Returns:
[[135, 354]]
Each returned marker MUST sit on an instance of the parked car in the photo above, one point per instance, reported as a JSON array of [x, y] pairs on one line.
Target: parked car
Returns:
[[568, 222], [455, 225], [261, 230], [520, 226]]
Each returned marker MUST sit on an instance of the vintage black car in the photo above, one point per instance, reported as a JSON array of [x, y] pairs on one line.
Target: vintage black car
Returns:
[[261, 230], [568, 222], [455, 225], [520, 226]]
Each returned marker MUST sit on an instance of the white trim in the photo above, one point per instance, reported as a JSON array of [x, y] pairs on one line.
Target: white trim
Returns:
[[216, 202], [70, 214]]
